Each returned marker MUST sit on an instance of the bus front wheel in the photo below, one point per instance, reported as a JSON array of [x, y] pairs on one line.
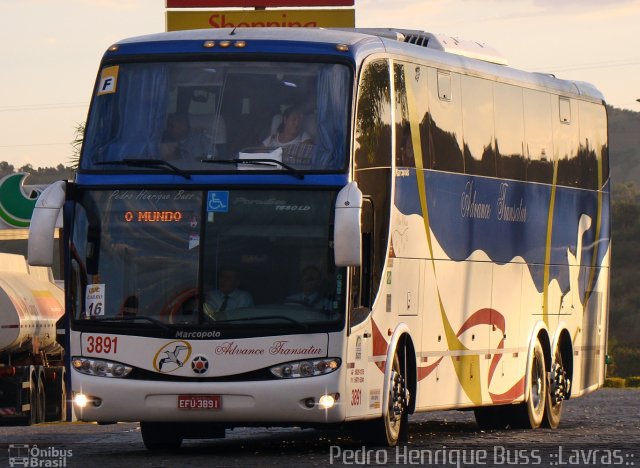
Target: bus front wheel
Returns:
[[394, 424]]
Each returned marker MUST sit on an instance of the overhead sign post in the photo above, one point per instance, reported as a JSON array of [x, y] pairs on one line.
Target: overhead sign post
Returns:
[[184, 17]]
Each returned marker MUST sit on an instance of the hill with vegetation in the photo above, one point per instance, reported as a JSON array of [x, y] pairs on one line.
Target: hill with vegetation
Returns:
[[624, 146]]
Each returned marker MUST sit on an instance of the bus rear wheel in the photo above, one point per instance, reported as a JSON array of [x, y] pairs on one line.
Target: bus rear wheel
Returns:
[[160, 436], [557, 391], [529, 415]]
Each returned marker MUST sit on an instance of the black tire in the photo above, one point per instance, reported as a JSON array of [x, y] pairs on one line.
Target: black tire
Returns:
[[160, 436], [41, 399], [556, 392], [57, 393], [492, 417], [393, 426], [33, 401], [529, 415]]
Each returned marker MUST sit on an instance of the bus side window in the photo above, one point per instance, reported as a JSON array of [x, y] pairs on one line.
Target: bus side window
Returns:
[[509, 131], [373, 152], [412, 102], [477, 126], [593, 150], [373, 118], [538, 136], [566, 139], [445, 126]]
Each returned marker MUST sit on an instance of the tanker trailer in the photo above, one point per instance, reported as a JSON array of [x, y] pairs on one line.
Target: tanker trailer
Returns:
[[32, 372]]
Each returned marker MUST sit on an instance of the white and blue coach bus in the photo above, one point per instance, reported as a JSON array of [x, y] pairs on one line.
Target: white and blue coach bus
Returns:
[[307, 227]]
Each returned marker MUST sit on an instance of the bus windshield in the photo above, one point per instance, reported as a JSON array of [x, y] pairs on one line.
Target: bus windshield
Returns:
[[218, 117], [235, 258]]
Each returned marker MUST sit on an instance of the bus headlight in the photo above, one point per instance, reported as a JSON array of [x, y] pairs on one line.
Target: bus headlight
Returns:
[[82, 401], [326, 402], [308, 368], [100, 367]]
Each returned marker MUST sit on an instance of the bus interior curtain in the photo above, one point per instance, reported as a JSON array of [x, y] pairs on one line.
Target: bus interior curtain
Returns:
[[331, 101], [142, 111]]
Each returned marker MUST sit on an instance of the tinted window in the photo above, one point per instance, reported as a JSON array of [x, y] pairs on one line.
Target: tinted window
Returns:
[[373, 119], [445, 131], [193, 114], [477, 125], [411, 103], [239, 257], [593, 150], [566, 135], [538, 136], [373, 154], [509, 129]]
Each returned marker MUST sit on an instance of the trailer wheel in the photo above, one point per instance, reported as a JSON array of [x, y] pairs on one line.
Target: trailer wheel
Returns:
[[57, 393], [41, 397], [160, 436], [32, 418], [37, 400]]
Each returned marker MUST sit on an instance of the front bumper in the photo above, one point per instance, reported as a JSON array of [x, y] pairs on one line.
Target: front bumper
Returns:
[[274, 401]]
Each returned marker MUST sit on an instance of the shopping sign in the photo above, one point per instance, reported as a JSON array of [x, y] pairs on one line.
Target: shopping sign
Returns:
[[336, 18]]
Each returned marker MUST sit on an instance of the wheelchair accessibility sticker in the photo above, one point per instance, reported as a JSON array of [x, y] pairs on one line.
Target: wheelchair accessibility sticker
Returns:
[[218, 202]]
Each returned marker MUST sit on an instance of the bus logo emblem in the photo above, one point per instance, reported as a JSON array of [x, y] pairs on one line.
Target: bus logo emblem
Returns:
[[172, 356], [200, 364], [218, 202]]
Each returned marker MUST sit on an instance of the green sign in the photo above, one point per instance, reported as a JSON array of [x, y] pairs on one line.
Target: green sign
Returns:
[[16, 207]]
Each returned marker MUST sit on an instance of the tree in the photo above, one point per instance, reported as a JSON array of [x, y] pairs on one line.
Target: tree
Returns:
[[78, 138]]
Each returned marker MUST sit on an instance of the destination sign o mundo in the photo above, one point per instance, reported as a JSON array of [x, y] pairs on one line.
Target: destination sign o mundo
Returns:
[[153, 216]]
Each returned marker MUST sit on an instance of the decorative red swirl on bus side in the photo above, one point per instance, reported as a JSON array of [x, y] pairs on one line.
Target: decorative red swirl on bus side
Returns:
[[485, 316]]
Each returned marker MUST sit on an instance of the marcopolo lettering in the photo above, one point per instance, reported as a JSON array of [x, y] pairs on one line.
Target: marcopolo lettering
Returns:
[[198, 334]]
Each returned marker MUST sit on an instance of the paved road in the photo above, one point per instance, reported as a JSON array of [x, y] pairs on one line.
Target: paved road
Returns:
[[597, 430]]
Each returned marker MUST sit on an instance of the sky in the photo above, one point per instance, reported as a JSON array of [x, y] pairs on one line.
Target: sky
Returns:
[[50, 51]]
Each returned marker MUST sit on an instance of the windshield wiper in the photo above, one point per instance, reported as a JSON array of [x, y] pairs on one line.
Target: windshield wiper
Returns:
[[132, 318], [257, 162], [135, 162], [304, 326]]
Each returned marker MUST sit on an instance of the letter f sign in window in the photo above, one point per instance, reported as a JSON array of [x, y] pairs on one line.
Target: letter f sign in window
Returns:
[[108, 80]]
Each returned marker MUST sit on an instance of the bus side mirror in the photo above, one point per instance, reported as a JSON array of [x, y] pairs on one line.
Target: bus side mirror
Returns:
[[47, 215], [347, 232]]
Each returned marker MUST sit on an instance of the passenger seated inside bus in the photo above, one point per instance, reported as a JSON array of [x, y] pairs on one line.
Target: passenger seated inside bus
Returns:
[[311, 291], [289, 132], [228, 295]]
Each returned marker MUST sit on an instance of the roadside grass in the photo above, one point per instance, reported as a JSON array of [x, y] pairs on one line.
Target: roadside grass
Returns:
[[620, 382]]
